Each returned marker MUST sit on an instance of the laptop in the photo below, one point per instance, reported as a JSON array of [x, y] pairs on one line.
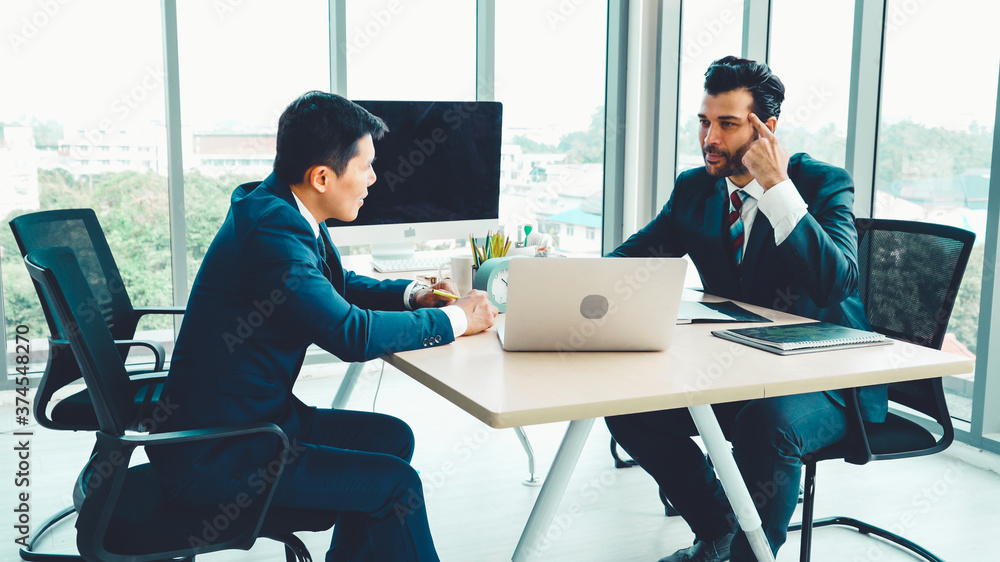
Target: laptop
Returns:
[[592, 304]]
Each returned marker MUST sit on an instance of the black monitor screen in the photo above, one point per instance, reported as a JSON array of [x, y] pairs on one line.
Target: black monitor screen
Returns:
[[439, 162]]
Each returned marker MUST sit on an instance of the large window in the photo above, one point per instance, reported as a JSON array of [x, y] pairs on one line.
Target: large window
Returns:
[[817, 81], [710, 30], [935, 139], [414, 50], [240, 66], [81, 115], [411, 50], [82, 120], [550, 76]]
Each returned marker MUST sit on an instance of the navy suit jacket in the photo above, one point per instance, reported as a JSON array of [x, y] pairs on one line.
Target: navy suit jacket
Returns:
[[813, 273], [262, 295]]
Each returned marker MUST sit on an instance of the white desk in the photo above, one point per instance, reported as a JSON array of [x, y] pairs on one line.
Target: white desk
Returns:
[[515, 389]]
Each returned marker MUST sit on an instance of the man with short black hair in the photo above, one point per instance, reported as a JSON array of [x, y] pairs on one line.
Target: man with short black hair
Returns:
[[769, 229], [271, 284]]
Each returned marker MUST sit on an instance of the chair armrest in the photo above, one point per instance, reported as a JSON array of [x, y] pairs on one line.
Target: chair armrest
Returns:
[[202, 434], [117, 449], [143, 310], [102, 481], [148, 376], [158, 353]]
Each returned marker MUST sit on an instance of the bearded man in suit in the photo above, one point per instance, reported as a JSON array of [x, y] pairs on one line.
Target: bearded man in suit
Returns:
[[769, 229]]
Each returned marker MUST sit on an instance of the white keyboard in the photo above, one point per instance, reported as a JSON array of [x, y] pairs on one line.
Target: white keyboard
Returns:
[[416, 263]]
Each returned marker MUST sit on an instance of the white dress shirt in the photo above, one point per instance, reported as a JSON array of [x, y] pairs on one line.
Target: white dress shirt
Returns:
[[782, 205]]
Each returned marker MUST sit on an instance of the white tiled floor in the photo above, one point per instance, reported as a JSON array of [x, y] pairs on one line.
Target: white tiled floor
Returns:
[[477, 505]]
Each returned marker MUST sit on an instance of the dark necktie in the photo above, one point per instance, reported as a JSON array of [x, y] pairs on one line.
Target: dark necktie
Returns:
[[322, 256], [736, 234]]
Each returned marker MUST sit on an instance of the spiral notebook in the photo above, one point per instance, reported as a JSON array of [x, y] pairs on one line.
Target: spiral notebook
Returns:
[[789, 339]]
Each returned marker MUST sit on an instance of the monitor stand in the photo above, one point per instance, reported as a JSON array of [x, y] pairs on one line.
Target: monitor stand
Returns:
[[393, 251]]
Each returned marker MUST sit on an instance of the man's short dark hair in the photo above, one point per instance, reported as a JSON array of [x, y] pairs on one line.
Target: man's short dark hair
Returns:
[[733, 73], [321, 129]]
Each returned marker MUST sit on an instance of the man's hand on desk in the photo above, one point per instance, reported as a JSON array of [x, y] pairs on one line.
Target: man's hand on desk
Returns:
[[479, 310]]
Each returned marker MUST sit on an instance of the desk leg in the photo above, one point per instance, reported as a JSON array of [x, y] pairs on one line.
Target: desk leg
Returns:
[[347, 385], [732, 482], [553, 489], [532, 479]]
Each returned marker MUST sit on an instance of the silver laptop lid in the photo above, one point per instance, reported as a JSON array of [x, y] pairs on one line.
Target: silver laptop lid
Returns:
[[592, 304]]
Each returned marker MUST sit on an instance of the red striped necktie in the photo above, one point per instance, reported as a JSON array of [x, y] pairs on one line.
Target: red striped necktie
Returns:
[[736, 234]]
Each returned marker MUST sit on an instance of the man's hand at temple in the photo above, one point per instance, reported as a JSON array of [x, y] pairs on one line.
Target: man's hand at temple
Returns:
[[766, 159]]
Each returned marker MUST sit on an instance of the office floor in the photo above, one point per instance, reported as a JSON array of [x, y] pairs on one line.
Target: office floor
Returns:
[[477, 505]]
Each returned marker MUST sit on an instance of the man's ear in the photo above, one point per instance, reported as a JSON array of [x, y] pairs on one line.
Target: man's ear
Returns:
[[771, 123], [318, 178]]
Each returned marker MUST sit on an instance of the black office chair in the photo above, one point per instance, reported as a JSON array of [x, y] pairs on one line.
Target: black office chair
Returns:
[[80, 230], [123, 516], [909, 275]]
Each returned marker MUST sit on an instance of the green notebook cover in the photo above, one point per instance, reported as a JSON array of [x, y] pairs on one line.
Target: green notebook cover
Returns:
[[802, 338]]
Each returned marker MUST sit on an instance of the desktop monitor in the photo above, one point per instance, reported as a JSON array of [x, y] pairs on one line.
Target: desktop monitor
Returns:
[[438, 176]]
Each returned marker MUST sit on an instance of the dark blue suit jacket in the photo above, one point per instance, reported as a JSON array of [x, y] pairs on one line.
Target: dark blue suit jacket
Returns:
[[813, 273], [262, 295]]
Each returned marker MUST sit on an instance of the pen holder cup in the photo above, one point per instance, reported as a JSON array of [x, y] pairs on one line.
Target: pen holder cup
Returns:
[[461, 273]]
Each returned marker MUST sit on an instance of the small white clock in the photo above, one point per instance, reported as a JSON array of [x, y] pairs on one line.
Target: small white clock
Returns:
[[492, 278]]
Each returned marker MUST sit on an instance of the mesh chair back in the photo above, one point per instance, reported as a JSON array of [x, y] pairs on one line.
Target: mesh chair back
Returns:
[[76, 309], [79, 230], [909, 276]]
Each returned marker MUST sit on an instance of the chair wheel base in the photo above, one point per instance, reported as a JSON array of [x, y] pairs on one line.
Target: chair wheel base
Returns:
[[29, 553], [867, 529], [295, 549]]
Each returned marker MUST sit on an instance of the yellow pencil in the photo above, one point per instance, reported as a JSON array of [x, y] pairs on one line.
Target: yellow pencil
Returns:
[[441, 293]]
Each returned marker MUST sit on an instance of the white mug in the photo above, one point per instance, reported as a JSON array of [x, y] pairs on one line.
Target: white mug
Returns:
[[461, 273]]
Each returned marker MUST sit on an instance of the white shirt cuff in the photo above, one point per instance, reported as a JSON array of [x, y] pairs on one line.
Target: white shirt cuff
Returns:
[[784, 208], [406, 294], [459, 323]]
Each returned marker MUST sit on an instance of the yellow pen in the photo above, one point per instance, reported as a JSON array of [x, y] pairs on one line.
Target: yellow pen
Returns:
[[441, 293]]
